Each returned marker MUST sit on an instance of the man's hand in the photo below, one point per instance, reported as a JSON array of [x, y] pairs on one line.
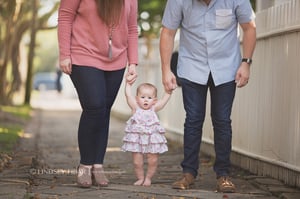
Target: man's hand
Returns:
[[169, 82], [242, 75]]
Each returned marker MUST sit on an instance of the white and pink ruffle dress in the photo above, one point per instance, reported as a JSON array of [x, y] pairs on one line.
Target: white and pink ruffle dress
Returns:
[[144, 134]]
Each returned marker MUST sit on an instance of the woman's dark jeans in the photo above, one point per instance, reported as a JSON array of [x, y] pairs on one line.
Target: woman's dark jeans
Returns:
[[194, 99], [97, 91]]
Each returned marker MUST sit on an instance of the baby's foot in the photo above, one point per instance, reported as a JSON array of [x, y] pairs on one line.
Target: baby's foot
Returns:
[[147, 182], [139, 182]]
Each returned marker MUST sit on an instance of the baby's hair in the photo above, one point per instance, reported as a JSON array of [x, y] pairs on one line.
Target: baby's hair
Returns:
[[146, 85]]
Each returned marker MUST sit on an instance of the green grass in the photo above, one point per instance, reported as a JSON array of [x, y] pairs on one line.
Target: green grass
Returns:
[[22, 112], [12, 123], [9, 136]]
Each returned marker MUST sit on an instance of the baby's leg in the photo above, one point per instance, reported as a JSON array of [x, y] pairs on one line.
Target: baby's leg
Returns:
[[138, 163], [152, 159]]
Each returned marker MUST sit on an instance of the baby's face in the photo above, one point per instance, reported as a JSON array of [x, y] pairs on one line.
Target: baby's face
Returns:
[[146, 98]]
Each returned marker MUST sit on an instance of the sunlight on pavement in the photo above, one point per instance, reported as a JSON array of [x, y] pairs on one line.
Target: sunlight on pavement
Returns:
[[67, 99], [113, 149], [52, 100]]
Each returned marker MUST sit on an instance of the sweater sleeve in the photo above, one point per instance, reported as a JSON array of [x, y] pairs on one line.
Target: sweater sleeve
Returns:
[[133, 34], [66, 15]]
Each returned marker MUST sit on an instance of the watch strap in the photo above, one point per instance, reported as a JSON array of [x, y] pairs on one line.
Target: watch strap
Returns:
[[247, 60]]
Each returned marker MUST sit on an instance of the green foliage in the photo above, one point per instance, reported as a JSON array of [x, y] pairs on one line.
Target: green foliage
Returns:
[[150, 15], [6, 8]]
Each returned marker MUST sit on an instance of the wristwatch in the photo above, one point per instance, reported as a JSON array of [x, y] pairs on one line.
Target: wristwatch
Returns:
[[247, 60]]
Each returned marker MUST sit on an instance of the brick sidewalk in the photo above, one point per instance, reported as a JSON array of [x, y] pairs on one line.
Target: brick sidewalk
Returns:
[[45, 167]]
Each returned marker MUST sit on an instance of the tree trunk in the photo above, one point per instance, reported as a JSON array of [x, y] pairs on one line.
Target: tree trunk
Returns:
[[16, 81], [5, 55], [31, 52]]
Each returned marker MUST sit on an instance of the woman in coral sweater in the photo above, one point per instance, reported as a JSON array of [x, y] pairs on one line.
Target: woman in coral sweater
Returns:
[[97, 39]]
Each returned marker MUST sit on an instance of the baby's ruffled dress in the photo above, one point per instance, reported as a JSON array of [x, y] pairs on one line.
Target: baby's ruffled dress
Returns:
[[144, 134]]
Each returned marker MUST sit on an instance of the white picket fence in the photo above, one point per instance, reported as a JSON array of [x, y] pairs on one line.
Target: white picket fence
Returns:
[[266, 113]]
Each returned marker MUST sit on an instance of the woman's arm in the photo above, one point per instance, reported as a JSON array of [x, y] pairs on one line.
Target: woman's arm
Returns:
[[66, 16], [133, 33]]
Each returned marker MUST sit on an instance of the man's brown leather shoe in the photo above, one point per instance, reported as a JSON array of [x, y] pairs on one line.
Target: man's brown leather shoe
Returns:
[[225, 185], [185, 182]]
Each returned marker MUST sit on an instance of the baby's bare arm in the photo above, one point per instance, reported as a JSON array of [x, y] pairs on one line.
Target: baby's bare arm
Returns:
[[160, 104], [129, 97]]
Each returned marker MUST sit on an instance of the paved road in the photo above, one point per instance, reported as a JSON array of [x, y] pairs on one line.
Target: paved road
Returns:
[[45, 161]]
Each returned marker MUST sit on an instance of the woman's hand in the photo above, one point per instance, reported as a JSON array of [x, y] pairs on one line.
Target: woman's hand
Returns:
[[66, 66], [131, 74]]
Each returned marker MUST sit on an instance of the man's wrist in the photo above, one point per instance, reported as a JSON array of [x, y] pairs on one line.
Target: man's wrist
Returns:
[[247, 60]]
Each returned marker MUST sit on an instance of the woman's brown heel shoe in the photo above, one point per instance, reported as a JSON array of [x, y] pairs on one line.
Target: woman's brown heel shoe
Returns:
[[84, 177], [99, 177]]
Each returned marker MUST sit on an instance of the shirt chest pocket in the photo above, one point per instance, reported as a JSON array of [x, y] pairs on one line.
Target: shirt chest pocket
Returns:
[[224, 18]]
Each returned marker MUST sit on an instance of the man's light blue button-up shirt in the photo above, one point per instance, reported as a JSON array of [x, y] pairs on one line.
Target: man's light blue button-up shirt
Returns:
[[209, 39]]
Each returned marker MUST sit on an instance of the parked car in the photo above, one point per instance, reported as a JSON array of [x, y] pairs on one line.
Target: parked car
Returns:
[[45, 81]]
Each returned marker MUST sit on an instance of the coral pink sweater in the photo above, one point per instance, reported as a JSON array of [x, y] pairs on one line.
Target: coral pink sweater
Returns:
[[84, 38]]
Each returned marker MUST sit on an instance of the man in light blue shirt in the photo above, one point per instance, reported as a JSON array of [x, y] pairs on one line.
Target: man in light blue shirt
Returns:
[[209, 58]]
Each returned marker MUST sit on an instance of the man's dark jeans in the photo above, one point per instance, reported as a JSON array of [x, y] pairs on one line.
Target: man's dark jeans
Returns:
[[194, 99]]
